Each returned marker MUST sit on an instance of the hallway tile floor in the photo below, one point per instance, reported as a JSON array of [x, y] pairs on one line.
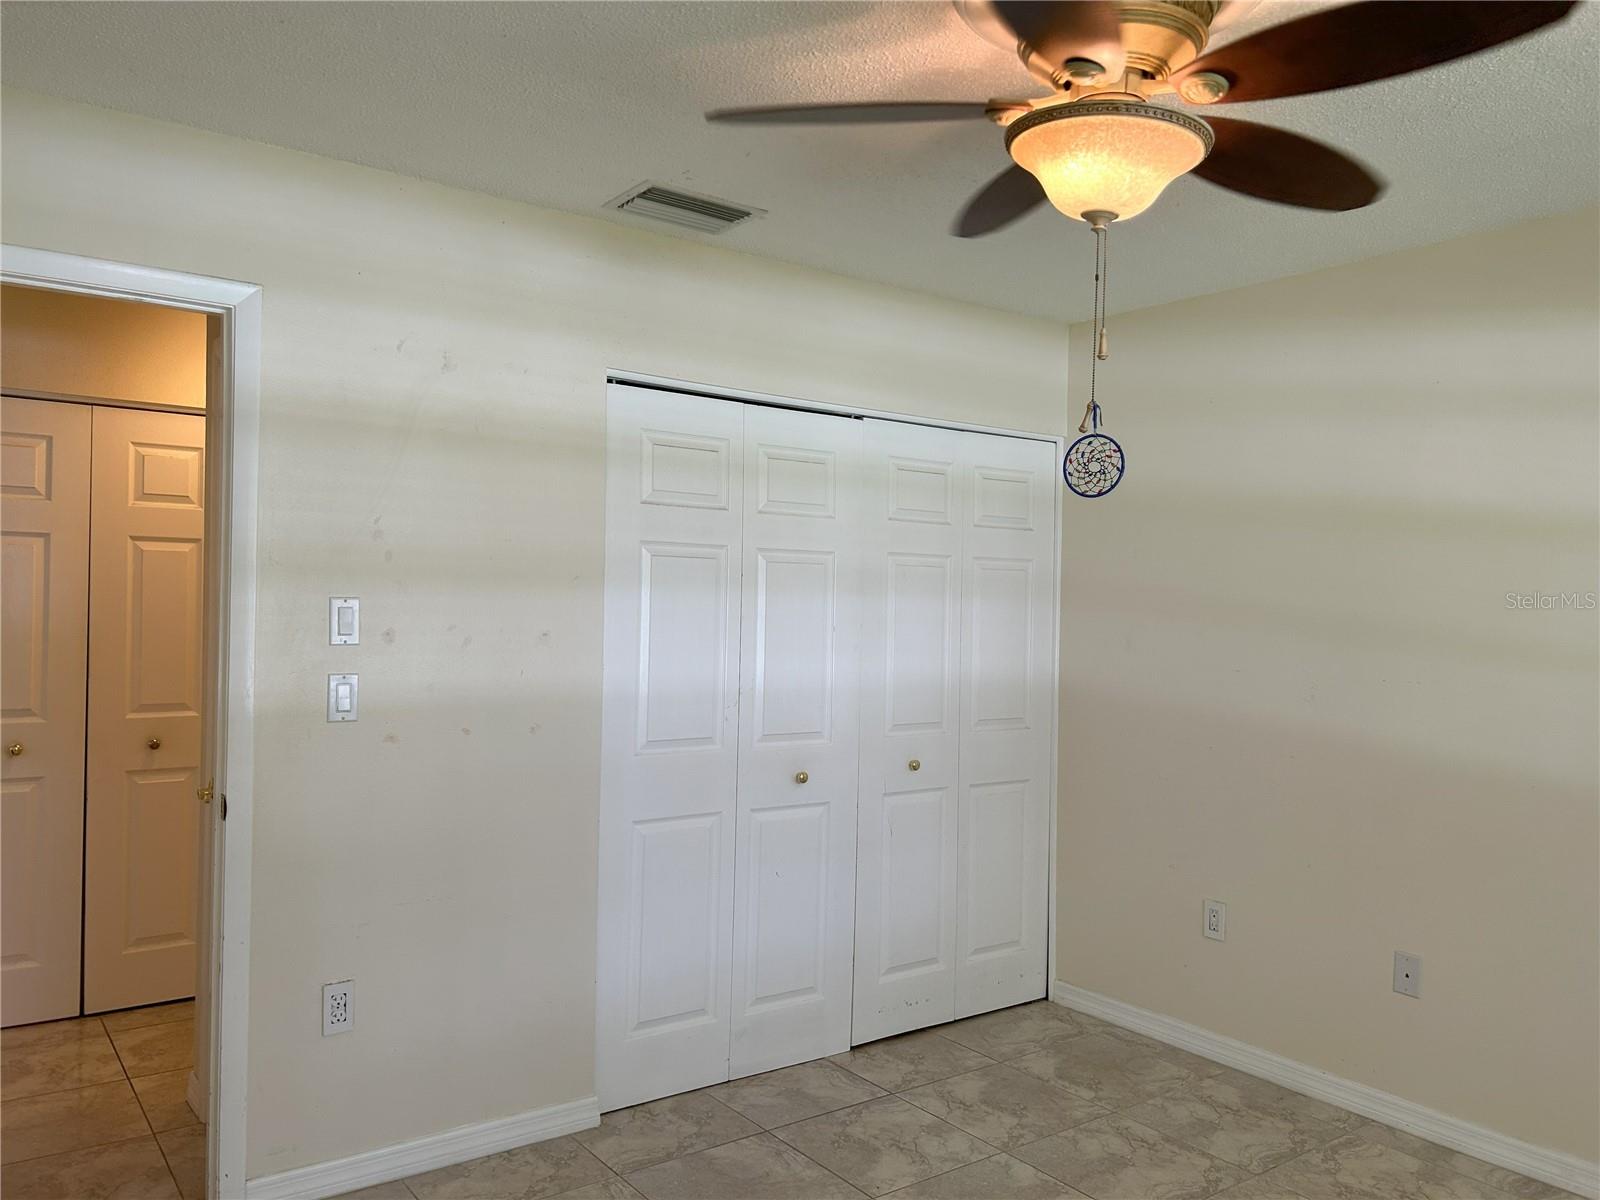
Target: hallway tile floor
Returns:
[[1036, 1102], [95, 1107]]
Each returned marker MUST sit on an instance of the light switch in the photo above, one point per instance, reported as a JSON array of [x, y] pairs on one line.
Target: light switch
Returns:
[[341, 697], [344, 620]]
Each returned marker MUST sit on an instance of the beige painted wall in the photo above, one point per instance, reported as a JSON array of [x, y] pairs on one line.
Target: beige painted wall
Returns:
[[108, 349], [1294, 684], [433, 402]]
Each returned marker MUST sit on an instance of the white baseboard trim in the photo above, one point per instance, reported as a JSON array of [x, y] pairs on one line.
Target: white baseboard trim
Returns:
[[425, 1154], [1552, 1166]]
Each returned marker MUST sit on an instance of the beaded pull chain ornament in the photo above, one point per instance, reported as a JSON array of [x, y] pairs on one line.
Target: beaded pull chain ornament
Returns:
[[1093, 465]]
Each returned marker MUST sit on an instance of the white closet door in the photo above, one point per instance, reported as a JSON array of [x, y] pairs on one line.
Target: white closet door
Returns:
[[44, 557], [669, 743], [1007, 731], [910, 729], [795, 866], [146, 623]]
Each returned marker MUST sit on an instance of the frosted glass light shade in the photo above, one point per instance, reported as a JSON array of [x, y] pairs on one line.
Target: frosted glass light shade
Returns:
[[1108, 155]]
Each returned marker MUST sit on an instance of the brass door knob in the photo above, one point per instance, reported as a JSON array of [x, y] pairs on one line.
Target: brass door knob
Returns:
[[801, 777], [14, 749], [914, 765], [154, 743]]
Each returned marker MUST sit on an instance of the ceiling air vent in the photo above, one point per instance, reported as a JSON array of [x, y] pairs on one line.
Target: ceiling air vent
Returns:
[[704, 213]]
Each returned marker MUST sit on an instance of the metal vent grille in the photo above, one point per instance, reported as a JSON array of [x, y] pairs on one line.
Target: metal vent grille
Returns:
[[702, 213]]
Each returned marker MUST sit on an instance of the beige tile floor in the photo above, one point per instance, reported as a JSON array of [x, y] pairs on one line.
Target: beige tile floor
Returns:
[[94, 1108], [1031, 1103]]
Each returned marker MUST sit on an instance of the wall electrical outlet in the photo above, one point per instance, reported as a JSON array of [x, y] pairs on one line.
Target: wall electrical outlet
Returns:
[[336, 1008], [1215, 925], [1408, 974]]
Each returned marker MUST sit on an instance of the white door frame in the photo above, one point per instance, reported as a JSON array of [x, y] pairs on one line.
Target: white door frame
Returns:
[[232, 423], [716, 392]]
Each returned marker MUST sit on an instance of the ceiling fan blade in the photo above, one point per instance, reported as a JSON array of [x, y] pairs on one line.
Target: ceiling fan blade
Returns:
[[887, 112], [1011, 194], [1274, 164], [1360, 43], [1063, 29]]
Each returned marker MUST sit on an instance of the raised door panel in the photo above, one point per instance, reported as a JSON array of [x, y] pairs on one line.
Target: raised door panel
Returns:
[[44, 560], [684, 595], [914, 881], [919, 643], [674, 565], [795, 864], [1007, 731], [910, 730], [1001, 616], [994, 837], [673, 937], [793, 676], [787, 905], [146, 623]]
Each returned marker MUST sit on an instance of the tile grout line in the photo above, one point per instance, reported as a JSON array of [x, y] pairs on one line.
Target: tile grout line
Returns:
[[874, 1100], [772, 1133], [149, 1131], [33, 1158], [63, 1091], [919, 1182], [173, 1175], [824, 1166], [604, 1165]]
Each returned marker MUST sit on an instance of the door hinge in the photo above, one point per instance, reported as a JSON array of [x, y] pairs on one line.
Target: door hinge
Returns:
[[204, 794]]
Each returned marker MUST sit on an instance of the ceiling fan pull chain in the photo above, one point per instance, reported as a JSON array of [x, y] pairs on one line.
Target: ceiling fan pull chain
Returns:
[[1102, 270], [1091, 412]]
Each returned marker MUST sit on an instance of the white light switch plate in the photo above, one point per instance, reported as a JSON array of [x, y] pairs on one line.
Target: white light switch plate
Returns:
[[344, 620], [342, 697]]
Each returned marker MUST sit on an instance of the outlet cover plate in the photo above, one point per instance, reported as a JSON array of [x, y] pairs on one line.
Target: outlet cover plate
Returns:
[[336, 1013], [1408, 974], [1215, 923]]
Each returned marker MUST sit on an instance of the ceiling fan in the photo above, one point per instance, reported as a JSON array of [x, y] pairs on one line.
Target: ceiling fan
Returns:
[[1100, 151]]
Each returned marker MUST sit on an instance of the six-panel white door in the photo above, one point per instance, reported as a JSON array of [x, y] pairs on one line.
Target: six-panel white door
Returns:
[[141, 851], [794, 874], [957, 670], [669, 743], [1008, 639], [910, 729], [44, 558]]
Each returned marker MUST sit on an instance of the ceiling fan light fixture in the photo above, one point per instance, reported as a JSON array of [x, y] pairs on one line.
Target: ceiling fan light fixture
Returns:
[[1107, 156]]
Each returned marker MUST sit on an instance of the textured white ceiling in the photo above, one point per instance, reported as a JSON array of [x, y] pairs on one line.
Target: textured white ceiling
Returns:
[[566, 105]]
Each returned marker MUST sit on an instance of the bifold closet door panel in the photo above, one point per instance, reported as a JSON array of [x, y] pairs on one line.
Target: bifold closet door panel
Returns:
[[793, 923], [146, 624], [44, 559], [1007, 731], [670, 729], [906, 898]]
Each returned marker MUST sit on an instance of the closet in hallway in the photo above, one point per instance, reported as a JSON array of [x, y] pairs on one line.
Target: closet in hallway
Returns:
[[828, 733], [102, 472]]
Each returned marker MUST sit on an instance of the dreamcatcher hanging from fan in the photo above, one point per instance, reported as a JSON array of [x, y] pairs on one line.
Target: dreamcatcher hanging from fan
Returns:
[[1094, 463]]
